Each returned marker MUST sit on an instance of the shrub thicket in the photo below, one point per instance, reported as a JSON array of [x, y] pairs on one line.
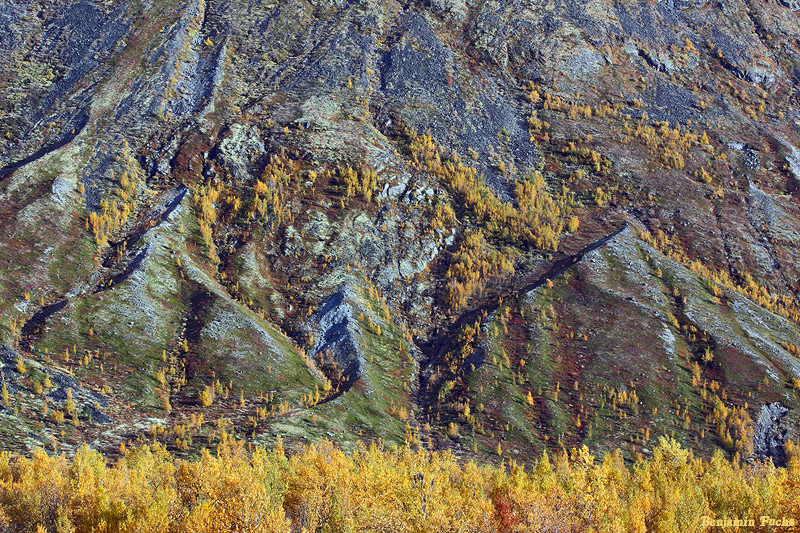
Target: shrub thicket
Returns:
[[321, 488]]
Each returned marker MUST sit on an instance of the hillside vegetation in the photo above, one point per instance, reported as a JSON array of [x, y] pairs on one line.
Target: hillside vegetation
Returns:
[[399, 489], [494, 229]]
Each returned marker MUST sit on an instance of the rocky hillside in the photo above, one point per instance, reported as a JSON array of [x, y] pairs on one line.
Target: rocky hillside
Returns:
[[493, 226]]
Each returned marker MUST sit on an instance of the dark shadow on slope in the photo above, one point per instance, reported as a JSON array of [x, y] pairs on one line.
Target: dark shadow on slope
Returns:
[[435, 349], [131, 267], [32, 327], [77, 127], [151, 220]]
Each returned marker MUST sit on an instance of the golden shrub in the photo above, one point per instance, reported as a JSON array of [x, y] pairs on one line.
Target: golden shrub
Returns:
[[322, 488]]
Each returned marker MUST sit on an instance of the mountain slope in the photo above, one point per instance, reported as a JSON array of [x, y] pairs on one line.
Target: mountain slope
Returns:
[[457, 224]]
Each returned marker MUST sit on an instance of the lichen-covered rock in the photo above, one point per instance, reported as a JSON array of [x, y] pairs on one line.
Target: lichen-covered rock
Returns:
[[334, 329], [230, 197], [769, 436]]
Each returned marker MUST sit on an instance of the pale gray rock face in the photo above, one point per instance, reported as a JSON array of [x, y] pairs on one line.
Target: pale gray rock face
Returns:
[[793, 159], [335, 330], [770, 434], [205, 93], [240, 149]]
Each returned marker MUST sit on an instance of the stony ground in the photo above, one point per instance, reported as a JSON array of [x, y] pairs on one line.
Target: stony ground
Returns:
[[225, 217]]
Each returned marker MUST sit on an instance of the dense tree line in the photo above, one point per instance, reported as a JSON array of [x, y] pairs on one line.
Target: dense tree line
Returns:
[[322, 488]]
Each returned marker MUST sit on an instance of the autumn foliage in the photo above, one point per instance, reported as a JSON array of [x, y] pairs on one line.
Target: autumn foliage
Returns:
[[539, 218], [114, 213], [472, 265], [782, 304], [322, 488]]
